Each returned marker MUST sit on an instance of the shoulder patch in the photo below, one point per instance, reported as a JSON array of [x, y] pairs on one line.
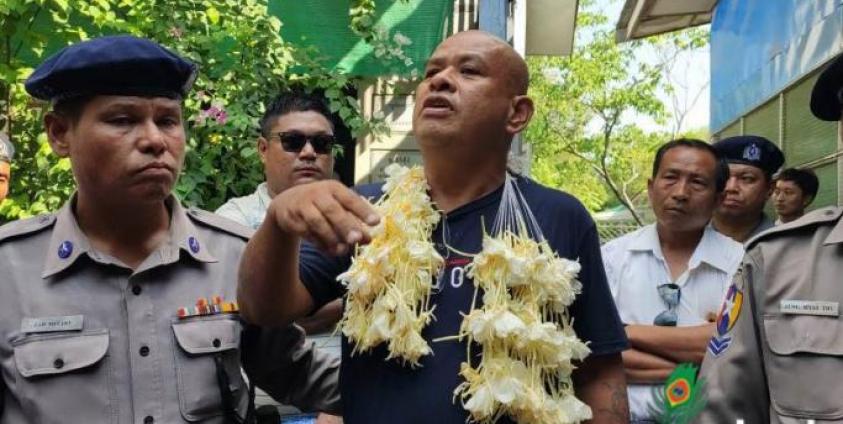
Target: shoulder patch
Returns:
[[728, 316], [818, 217], [221, 223], [26, 226]]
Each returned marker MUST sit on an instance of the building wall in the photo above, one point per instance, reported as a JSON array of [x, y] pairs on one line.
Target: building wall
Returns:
[[760, 47], [806, 141]]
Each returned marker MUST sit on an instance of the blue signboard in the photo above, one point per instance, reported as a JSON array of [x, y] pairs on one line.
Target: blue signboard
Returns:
[[759, 47]]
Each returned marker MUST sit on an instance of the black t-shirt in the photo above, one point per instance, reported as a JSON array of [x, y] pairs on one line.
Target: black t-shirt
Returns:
[[376, 391]]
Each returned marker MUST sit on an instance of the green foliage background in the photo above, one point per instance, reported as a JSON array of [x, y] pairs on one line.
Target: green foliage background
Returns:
[[584, 135], [242, 60]]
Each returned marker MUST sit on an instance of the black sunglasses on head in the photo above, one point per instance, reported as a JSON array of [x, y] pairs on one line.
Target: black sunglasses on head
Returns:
[[294, 142]]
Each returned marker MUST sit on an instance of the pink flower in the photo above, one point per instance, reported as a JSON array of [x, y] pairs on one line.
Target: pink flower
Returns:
[[221, 117], [176, 32], [215, 112]]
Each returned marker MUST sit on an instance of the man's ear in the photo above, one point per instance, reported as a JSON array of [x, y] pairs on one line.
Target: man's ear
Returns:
[[520, 114], [771, 187], [58, 133], [650, 190], [263, 146]]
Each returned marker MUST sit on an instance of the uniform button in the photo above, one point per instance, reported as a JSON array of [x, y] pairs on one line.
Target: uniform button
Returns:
[[58, 363], [193, 244], [148, 419], [65, 249], [217, 343], [144, 351], [136, 290]]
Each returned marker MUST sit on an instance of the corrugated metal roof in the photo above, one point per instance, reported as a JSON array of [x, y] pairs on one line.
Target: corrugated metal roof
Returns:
[[643, 18]]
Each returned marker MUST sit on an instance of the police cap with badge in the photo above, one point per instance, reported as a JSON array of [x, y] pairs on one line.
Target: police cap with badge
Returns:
[[112, 65], [827, 95], [751, 150], [7, 149]]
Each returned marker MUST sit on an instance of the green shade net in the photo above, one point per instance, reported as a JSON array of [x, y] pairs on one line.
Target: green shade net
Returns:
[[324, 24]]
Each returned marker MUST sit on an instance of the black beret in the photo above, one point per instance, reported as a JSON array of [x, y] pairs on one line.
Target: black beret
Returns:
[[7, 149], [751, 150], [113, 65], [825, 97]]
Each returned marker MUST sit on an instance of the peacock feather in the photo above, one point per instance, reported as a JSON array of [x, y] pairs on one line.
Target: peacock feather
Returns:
[[681, 398]]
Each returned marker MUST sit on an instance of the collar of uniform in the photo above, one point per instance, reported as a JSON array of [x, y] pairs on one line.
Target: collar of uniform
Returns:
[[67, 242], [708, 250], [185, 235], [836, 234], [66, 233]]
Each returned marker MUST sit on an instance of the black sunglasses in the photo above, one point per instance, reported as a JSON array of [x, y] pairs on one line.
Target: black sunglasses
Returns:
[[670, 294], [294, 142]]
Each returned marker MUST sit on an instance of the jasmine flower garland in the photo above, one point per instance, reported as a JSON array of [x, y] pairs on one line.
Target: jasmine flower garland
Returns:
[[527, 340], [390, 279]]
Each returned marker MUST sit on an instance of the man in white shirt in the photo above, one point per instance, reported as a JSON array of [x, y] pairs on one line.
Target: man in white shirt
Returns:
[[668, 279]]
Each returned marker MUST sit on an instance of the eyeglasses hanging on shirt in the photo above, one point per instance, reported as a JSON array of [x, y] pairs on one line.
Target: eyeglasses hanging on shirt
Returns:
[[670, 294]]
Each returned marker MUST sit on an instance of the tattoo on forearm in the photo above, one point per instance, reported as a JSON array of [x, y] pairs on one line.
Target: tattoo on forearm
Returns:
[[617, 411]]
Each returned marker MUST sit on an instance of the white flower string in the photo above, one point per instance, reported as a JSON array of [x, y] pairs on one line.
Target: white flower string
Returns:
[[527, 340], [523, 327], [390, 279]]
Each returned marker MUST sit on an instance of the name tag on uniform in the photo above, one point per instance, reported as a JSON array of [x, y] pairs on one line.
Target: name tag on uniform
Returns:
[[50, 324], [809, 307]]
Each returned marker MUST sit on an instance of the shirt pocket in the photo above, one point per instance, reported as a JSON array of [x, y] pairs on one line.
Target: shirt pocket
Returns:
[[805, 365], [200, 342], [66, 375]]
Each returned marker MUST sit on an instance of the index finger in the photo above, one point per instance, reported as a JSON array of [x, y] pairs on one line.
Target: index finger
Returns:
[[358, 206]]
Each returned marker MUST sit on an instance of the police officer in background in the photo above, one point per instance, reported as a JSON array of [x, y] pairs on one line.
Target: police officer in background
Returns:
[[7, 153], [752, 162], [777, 353], [119, 307]]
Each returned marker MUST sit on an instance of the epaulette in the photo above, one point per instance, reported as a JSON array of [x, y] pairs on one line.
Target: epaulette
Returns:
[[813, 218], [221, 223], [26, 226]]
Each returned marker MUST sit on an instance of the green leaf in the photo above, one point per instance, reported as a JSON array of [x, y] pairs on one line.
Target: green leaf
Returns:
[[62, 4], [213, 15], [248, 152]]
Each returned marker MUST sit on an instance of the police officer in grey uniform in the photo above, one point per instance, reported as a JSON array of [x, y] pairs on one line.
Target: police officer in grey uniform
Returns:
[[119, 307], [777, 353], [752, 162]]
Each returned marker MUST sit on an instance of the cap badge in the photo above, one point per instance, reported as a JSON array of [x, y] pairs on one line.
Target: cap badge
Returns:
[[752, 153]]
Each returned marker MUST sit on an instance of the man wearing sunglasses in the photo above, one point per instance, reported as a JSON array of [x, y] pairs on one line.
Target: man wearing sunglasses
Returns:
[[777, 356], [296, 147], [668, 278]]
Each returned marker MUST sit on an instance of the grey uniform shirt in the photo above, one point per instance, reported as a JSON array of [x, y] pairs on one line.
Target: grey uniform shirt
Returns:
[[85, 339], [777, 354]]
